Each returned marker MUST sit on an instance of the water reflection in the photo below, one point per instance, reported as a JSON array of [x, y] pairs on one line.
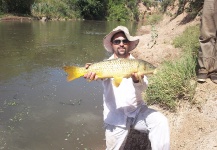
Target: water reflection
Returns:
[[38, 108]]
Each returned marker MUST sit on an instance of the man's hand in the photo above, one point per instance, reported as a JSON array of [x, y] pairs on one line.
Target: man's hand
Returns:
[[90, 75], [136, 77]]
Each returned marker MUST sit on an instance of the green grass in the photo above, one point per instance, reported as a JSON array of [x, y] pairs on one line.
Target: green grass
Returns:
[[175, 80], [154, 18], [188, 41]]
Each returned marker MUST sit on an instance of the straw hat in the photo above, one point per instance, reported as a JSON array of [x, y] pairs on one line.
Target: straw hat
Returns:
[[107, 39]]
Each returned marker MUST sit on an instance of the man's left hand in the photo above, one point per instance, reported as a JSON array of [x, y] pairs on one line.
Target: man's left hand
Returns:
[[136, 77]]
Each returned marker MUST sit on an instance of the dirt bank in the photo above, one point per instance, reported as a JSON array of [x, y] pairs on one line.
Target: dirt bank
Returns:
[[193, 127], [15, 18]]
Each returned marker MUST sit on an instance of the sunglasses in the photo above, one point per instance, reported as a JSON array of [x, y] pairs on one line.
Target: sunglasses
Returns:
[[116, 42]]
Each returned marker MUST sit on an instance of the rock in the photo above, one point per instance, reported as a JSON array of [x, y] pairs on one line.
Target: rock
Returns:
[[43, 19]]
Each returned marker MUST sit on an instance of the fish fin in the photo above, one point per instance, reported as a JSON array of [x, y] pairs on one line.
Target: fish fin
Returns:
[[74, 72], [117, 81]]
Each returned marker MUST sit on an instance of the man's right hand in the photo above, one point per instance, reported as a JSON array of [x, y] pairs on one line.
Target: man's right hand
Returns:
[[90, 75]]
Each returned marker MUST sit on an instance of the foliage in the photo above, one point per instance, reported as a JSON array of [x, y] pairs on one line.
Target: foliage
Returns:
[[150, 3], [147, 3], [192, 7], [87, 9], [154, 18], [173, 80], [90, 9], [132, 7], [122, 10], [195, 6], [181, 8], [18, 6], [52, 9], [165, 4], [188, 41], [117, 12], [1, 6]]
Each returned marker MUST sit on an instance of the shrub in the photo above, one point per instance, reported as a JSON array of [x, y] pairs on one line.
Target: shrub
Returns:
[[122, 10], [91, 9], [52, 9], [165, 4], [154, 18], [118, 12], [174, 80]]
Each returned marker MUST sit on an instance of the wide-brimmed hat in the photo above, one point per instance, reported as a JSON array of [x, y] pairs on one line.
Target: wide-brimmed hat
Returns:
[[107, 39]]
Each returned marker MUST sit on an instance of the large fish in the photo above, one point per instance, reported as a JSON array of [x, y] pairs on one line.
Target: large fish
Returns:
[[115, 68]]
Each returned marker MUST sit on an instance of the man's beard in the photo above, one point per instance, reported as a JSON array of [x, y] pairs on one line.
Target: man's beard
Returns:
[[121, 52]]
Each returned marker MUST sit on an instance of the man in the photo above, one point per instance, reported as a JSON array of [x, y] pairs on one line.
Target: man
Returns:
[[124, 107], [207, 59]]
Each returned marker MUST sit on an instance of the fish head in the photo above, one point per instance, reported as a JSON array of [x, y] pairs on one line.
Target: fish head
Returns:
[[146, 67]]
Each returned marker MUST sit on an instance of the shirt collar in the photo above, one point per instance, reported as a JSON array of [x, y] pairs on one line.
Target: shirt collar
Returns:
[[113, 57]]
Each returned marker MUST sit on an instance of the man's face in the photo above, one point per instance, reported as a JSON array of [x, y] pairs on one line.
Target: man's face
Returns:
[[120, 45]]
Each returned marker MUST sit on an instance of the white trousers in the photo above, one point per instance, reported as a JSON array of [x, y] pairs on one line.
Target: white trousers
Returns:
[[148, 120]]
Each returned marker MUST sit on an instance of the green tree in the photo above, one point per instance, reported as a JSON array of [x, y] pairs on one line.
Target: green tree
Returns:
[[90, 9], [17, 6], [132, 6], [1, 9], [122, 10], [3, 6], [52, 9], [117, 11]]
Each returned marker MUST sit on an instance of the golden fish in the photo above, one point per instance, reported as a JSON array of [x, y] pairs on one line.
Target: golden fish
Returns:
[[115, 68]]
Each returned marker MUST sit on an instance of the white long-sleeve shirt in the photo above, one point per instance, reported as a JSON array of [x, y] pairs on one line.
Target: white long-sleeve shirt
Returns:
[[122, 101]]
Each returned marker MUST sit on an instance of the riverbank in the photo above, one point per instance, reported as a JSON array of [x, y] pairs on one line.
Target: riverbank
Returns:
[[193, 126], [9, 17]]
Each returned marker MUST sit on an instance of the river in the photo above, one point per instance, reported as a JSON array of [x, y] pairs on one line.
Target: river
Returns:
[[39, 109]]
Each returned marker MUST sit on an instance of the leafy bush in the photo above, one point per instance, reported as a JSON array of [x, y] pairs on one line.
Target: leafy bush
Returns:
[[52, 9], [188, 41], [1, 8], [174, 80], [165, 4], [86, 9], [154, 18], [147, 3], [132, 8], [118, 12], [17, 7], [150, 3], [194, 7], [122, 10], [172, 83], [90, 9]]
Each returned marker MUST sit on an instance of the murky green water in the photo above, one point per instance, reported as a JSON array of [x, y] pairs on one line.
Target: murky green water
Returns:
[[39, 109]]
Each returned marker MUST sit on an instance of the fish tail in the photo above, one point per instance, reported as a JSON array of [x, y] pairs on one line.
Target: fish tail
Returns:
[[74, 72]]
